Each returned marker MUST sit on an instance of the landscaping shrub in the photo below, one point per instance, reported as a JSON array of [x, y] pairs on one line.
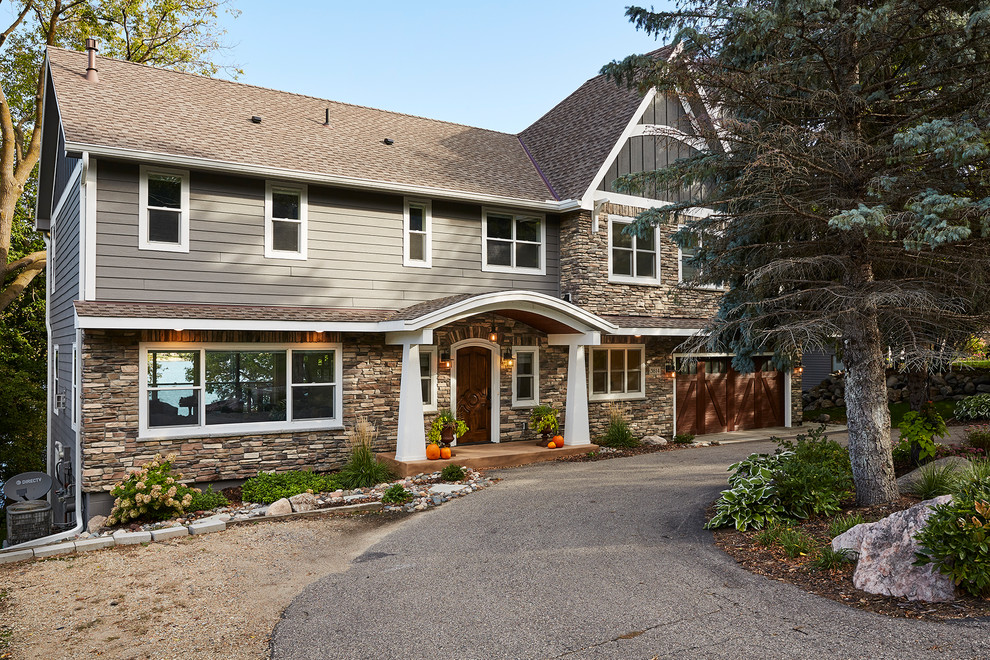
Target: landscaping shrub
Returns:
[[207, 500], [795, 542], [829, 559], [956, 539], [683, 438], [936, 480], [920, 429], [811, 476], [842, 524], [363, 469], [618, 433], [396, 494], [973, 407], [267, 487], [978, 436], [151, 493], [452, 473]]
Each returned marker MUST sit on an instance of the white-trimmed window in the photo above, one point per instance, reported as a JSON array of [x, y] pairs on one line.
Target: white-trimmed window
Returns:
[[286, 212], [525, 376], [417, 231], [513, 242], [55, 387], [617, 371], [428, 377], [248, 388], [632, 259], [74, 399], [164, 209], [687, 272]]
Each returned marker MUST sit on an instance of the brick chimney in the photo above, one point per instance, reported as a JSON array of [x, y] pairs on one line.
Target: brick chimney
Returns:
[[91, 49]]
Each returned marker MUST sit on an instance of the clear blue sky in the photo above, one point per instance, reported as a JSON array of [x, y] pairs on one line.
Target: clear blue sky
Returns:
[[497, 65]]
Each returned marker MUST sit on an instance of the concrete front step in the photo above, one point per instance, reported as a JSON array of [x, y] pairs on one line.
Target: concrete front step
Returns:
[[487, 455]]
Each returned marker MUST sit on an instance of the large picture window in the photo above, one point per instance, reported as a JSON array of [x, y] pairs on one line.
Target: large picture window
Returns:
[[632, 259], [617, 372], [228, 388], [513, 242], [164, 210]]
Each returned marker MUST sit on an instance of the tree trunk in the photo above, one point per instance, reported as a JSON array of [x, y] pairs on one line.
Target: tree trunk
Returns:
[[917, 387], [867, 413]]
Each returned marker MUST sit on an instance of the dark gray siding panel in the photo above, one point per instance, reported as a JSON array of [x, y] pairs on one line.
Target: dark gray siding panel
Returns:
[[64, 167], [647, 153], [63, 267], [817, 366], [354, 257]]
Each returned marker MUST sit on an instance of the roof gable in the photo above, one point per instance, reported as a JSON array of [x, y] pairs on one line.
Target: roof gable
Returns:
[[166, 112]]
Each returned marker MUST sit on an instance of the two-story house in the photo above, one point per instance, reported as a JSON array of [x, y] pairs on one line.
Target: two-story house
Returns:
[[239, 273]]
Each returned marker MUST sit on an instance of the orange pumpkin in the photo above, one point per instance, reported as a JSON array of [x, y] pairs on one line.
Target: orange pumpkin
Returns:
[[551, 446], [433, 452], [445, 452], [558, 440]]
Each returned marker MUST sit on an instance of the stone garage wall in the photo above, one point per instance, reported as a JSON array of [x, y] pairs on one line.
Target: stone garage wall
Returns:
[[953, 385]]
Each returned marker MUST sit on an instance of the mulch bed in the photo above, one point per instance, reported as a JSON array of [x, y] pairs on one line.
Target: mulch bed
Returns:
[[837, 585], [592, 456]]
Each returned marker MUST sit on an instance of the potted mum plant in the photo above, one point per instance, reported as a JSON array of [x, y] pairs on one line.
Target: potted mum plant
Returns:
[[545, 420], [444, 429]]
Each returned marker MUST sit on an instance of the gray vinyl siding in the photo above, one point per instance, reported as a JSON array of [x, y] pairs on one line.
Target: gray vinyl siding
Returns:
[[646, 153], [817, 366], [354, 255], [64, 167], [65, 289]]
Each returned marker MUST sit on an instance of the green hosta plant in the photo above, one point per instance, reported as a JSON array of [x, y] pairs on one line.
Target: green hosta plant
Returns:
[[151, 493], [973, 407], [956, 540], [751, 501], [921, 429]]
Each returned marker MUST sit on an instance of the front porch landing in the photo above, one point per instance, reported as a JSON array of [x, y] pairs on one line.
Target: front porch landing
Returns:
[[487, 455]]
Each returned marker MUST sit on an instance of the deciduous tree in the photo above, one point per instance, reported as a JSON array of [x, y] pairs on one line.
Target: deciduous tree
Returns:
[[848, 175]]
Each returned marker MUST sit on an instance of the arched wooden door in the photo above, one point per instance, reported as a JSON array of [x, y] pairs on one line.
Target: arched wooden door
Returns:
[[474, 399]]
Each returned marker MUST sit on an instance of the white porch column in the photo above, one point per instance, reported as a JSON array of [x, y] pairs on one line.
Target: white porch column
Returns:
[[410, 444], [576, 428]]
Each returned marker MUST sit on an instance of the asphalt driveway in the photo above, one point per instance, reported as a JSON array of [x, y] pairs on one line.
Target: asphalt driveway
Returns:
[[588, 560]]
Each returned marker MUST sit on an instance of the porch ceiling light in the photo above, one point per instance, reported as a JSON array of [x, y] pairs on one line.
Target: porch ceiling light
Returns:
[[492, 334]]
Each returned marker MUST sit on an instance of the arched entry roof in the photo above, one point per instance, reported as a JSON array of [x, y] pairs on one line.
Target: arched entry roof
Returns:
[[543, 312]]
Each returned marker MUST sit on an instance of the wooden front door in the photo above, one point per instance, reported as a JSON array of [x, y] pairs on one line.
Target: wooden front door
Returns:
[[474, 401]]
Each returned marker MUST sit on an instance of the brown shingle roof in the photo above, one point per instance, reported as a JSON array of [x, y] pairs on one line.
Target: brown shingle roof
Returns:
[[228, 312], [147, 109], [654, 322]]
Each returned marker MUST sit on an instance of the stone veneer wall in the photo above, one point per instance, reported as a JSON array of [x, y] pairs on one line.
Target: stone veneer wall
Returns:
[[110, 391], [584, 272]]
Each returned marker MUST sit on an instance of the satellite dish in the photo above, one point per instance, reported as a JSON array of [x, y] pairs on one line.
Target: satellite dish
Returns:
[[27, 486]]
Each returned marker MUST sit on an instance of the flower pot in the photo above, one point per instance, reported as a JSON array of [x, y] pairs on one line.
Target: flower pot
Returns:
[[447, 434]]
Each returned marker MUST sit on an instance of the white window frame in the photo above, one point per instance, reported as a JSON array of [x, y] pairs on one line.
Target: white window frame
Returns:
[[303, 191], [619, 396], [246, 428], [74, 398], [432, 352], [680, 268], [535, 401], [492, 268], [634, 279], [55, 379], [427, 232], [143, 242]]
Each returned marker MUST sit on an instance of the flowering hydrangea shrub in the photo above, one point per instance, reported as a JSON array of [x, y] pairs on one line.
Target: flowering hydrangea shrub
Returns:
[[151, 493]]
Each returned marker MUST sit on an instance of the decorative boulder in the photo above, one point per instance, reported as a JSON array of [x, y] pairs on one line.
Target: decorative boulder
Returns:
[[907, 482], [653, 440], [886, 556], [851, 540], [279, 508], [95, 523], [303, 502]]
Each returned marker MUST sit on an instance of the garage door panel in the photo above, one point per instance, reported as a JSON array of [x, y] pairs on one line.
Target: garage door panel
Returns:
[[715, 397]]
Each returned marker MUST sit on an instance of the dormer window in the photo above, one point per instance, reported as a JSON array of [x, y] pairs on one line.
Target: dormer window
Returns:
[[513, 243], [164, 210], [285, 221]]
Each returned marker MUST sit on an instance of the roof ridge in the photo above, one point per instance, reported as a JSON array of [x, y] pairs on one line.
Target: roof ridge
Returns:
[[282, 91]]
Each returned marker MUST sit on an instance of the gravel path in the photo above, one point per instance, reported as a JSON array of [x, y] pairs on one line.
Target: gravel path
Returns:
[[588, 560], [213, 596]]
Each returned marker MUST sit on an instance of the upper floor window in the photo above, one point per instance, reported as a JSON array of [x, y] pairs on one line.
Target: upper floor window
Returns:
[[285, 221], [632, 259], [617, 372], [164, 210], [513, 242], [525, 376], [688, 272], [418, 234]]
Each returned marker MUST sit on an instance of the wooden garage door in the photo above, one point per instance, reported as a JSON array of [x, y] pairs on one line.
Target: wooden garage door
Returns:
[[713, 397]]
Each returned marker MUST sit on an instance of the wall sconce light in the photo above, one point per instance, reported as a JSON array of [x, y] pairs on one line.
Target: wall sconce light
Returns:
[[445, 359], [507, 359], [799, 370], [668, 368], [492, 334]]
